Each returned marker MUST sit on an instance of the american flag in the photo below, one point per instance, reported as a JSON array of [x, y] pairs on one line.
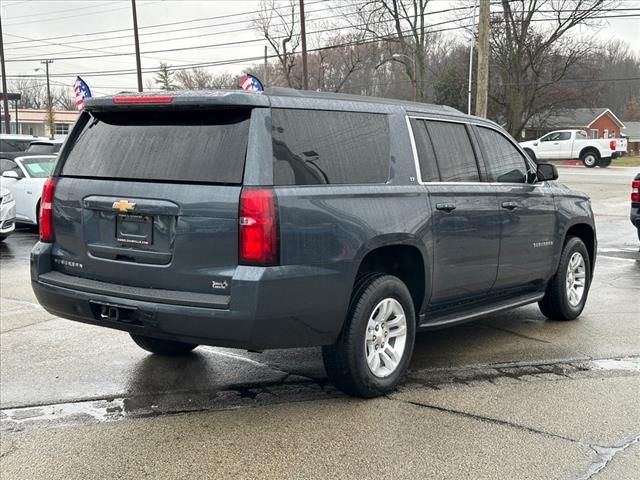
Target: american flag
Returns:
[[81, 89], [251, 83]]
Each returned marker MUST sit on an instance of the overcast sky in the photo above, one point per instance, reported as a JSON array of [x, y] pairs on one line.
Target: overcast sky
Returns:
[[207, 23]]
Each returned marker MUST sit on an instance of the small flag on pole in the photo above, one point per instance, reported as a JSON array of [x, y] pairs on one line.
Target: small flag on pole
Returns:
[[251, 83], [81, 89]]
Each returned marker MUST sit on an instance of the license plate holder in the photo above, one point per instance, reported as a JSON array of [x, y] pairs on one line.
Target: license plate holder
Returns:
[[134, 229]]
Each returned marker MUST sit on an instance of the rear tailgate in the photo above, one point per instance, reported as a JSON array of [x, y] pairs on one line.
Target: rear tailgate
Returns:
[[150, 199]]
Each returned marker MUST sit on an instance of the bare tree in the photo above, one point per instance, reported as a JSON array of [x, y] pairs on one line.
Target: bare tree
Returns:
[[280, 27], [33, 92], [532, 59], [402, 25], [64, 99], [201, 79]]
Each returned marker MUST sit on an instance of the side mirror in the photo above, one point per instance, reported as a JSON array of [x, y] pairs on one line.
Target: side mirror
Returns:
[[535, 144], [13, 174], [546, 171]]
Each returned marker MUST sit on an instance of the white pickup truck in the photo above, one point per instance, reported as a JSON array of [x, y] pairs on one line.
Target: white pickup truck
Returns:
[[573, 145]]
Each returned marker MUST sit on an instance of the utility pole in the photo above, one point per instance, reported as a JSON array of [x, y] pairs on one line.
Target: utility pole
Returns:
[[265, 75], [303, 34], [5, 98], [50, 119], [482, 93], [473, 45], [137, 42]]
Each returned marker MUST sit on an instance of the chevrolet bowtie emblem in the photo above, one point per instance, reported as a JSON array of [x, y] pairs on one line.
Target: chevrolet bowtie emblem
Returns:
[[123, 206]]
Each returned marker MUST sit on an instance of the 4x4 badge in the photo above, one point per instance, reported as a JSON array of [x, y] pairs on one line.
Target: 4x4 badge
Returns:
[[123, 206]]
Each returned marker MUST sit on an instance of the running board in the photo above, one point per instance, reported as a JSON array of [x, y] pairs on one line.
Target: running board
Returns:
[[451, 318]]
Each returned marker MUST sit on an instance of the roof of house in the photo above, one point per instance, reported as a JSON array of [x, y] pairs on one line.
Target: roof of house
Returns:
[[632, 130], [574, 117]]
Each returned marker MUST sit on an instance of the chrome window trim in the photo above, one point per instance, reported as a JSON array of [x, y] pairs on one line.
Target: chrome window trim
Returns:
[[464, 122]]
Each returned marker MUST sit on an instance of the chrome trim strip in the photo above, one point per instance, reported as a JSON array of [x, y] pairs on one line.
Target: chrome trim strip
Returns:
[[414, 149]]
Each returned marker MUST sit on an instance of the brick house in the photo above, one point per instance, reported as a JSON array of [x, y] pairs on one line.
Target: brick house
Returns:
[[632, 133], [597, 122]]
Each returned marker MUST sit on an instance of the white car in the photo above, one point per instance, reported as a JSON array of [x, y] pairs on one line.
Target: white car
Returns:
[[7, 213], [574, 144], [25, 182]]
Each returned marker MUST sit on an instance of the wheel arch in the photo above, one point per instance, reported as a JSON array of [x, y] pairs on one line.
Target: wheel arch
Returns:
[[588, 149], [587, 234], [403, 257]]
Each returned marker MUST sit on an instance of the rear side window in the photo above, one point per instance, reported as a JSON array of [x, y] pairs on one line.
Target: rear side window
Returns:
[[178, 146], [456, 160], [503, 160], [426, 155], [312, 147]]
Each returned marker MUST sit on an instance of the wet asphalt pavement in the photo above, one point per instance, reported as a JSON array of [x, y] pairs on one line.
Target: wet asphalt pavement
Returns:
[[509, 396]]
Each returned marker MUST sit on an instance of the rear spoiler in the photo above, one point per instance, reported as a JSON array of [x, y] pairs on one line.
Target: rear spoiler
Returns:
[[179, 100]]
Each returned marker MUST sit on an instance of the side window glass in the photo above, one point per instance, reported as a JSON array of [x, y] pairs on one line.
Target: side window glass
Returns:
[[426, 155], [313, 147], [503, 160], [564, 136], [455, 158]]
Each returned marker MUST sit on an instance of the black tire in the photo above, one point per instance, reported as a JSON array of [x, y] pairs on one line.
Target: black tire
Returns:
[[555, 304], [590, 158], [162, 347], [604, 162], [2, 237], [532, 155], [346, 362]]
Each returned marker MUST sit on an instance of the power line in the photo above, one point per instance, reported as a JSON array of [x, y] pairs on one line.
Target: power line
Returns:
[[249, 41], [215, 17], [250, 59]]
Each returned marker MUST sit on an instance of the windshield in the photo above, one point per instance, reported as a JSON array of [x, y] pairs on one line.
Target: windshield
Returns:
[[38, 167]]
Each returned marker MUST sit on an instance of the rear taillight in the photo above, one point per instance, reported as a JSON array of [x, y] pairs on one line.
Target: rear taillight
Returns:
[[46, 210], [258, 227], [612, 144], [635, 191]]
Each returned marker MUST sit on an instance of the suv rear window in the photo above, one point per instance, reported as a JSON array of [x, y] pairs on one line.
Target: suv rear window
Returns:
[[313, 147], [178, 146]]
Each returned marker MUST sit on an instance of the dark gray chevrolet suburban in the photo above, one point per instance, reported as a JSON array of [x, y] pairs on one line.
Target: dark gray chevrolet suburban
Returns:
[[291, 219]]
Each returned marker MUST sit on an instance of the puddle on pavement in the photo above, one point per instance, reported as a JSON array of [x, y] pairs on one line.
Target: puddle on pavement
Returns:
[[630, 364]]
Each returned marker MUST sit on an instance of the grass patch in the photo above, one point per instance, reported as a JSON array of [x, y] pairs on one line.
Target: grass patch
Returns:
[[626, 162], [618, 162]]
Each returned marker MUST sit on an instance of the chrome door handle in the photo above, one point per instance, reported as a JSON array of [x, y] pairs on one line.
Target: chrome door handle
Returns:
[[447, 207], [509, 205]]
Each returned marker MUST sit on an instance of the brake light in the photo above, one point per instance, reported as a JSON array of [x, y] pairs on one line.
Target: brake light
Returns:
[[46, 210], [143, 99], [258, 227], [635, 191], [612, 144]]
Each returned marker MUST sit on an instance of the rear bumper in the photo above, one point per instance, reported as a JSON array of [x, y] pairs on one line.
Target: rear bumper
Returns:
[[276, 307]]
